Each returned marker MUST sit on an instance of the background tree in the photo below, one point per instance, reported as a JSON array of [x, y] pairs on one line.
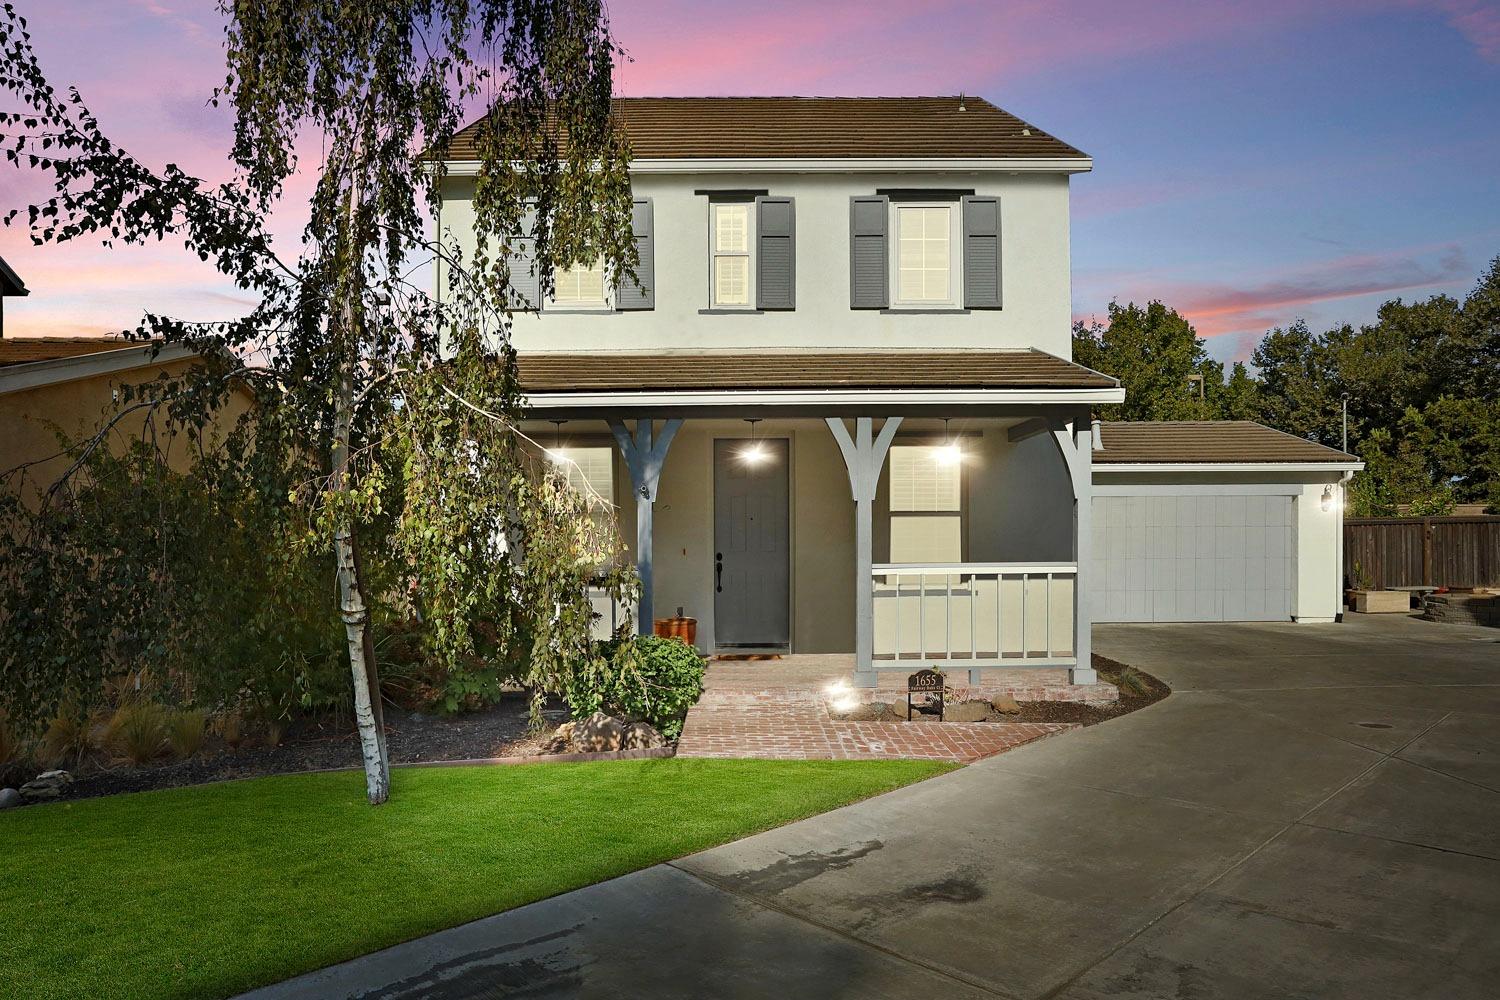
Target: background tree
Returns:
[[1160, 359], [395, 397]]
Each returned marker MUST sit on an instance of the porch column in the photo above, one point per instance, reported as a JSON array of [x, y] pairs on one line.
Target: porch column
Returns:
[[1075, 439], [644, 457], [864, 457]]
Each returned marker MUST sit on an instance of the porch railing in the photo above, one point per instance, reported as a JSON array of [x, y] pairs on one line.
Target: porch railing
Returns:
[[975, 614]]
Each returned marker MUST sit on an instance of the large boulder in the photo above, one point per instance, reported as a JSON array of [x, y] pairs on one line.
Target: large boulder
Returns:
[[9, 797], [599, 732], [967, 711], [46, 786], [641, 736]]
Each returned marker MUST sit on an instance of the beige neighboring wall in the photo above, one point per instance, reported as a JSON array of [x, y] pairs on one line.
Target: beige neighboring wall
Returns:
[[32, 419]]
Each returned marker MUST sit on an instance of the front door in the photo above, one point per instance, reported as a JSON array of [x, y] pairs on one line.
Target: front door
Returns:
[[752, 550]]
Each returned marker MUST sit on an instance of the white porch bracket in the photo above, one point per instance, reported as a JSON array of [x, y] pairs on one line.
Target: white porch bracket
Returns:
[[644, 457], [864, 457], [1075, 439]]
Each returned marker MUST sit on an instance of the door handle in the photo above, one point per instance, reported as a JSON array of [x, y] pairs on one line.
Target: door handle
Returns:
[[718, 572]]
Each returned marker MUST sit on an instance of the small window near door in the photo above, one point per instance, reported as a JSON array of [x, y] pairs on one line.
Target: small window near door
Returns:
[[730, 242], [926, 505], [580, 287]]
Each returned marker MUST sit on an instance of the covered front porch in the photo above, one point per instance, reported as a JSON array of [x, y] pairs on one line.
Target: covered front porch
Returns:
[[890, 528]]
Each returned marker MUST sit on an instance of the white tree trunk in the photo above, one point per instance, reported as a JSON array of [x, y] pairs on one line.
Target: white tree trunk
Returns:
[[356, 616], [368, 717]]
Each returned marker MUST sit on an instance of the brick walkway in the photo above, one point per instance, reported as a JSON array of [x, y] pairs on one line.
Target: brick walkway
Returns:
[[778, 711]]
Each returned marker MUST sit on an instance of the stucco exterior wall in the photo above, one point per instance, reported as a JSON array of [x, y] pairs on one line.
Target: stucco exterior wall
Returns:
[[32, 419], [1035, 272]]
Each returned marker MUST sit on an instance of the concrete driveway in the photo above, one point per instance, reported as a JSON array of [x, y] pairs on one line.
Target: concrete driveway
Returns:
[[1315, 812]]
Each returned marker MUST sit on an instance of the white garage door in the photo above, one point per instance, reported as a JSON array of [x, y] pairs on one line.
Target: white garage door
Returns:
[[1193, 558]]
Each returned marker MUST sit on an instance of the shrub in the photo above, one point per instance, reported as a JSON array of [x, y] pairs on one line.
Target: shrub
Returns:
[[65, 740], [186, 732], [648, 678], [1131, 681], [231, 729], [138, 732]]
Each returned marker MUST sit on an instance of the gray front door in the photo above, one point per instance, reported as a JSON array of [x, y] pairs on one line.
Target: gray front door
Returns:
[[752, 551]]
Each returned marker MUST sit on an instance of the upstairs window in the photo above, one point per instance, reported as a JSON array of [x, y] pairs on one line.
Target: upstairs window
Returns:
[[926, 505], [581, 286], [730, 270], [925, 259]]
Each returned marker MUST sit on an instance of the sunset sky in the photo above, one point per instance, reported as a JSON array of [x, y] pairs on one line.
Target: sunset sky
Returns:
[[1255, 163]]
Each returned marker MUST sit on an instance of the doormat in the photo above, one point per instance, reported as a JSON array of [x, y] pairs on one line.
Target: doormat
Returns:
[[747, 656]]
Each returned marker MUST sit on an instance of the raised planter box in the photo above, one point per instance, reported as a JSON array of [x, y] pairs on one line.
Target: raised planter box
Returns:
[[1381, 602]]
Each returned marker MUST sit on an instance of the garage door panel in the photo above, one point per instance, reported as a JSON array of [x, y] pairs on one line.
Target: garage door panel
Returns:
[[1194, 557]]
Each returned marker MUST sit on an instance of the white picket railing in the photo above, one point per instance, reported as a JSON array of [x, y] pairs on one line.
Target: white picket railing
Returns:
[[975, 614]]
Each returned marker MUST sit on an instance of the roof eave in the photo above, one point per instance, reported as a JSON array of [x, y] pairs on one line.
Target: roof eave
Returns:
[[834, 165]]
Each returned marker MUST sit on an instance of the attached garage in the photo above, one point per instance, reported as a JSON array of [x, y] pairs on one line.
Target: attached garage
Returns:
[[1215, 521]]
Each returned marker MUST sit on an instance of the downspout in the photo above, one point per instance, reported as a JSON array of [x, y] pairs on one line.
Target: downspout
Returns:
[[1338, 579]]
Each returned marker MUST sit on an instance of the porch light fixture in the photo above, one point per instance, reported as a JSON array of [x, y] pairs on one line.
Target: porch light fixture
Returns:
[[556, 452], [949, 453], [754, 453], [1329, 502]]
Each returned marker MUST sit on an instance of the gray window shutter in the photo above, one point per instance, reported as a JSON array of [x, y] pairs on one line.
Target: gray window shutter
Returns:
[[776, 249], [869, 257], [641, 293], [981, 253], [525, 283]]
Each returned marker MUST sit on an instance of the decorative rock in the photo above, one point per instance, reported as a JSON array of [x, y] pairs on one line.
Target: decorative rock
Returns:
[[968, 711], [1005, 705], [9, 797], [641, 736], [598, 732], [894, 712], [46, 786]]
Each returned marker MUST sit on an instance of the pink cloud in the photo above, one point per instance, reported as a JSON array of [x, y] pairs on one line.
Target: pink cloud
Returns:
[[1476, 20]]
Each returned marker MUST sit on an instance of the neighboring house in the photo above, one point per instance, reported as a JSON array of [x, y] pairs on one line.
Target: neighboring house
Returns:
[[68, 385], [837, 411]]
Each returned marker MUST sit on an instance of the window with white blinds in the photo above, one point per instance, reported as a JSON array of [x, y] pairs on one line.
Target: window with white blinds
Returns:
[[580, 286], [926, 504], [730, 241], [590, 470], [924, 254]]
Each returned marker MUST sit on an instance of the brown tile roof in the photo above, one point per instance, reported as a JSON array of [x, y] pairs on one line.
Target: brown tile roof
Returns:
[[819, 128], [24, 350], [1210, 441], [543, 373]]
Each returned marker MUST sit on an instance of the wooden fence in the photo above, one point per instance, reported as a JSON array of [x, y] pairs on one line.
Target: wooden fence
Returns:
[[1414, 551]]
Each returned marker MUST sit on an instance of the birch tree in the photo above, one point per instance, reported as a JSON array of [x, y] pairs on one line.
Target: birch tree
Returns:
[[404, 400]]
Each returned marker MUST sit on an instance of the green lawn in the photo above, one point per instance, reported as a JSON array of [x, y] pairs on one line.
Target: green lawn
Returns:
[[207, 891]]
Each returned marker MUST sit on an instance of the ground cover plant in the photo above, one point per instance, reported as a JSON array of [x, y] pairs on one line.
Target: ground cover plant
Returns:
[[208, 891]]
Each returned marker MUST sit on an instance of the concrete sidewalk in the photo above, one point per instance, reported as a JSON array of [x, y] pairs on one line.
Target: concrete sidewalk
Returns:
[[1315, 812]]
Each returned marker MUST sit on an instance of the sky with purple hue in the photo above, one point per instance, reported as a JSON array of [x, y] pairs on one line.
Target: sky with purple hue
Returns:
[[1255, 163]]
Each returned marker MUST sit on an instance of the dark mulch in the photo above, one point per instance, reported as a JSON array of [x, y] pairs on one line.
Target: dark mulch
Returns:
[[497, 731], [1088, 715]]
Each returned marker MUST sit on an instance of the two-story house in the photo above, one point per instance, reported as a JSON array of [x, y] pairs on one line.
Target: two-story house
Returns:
[[838, 415]]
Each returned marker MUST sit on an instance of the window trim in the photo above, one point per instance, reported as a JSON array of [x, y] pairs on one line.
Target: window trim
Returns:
[[714, 204], [955, 300]]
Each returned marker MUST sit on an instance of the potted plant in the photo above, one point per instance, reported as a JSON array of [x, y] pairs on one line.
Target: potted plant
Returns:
[[1365, 599]]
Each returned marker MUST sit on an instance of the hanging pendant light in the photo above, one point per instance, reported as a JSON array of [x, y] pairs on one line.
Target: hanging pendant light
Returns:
[[950, 452], [556, 453], [754, 453]]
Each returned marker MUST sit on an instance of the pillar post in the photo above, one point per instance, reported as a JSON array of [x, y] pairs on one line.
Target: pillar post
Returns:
[[1075, 439], [644, 455], [864, 457]]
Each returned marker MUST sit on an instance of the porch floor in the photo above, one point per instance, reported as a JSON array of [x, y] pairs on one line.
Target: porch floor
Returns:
[[777, 709]]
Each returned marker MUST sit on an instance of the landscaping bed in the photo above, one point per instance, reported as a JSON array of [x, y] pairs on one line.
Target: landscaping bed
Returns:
[[1137, 690], [311, 745]]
